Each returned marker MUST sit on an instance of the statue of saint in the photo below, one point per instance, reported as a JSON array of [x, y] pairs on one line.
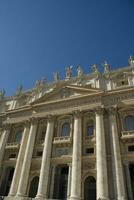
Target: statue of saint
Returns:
[[131, 60], [95, 68], [19, 90], [2, 93], [56, 76], [106, 67], [79, 72], [69, 72]]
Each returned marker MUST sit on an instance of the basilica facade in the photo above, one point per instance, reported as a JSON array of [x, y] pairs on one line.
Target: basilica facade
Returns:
[[70, 139]]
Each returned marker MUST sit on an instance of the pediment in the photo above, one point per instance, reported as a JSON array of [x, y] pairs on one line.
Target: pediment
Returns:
[[66, 92]]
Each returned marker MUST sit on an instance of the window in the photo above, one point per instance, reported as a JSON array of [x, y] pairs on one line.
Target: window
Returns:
[[13, 155], [39, 153], [18, 136], [129, 123], [90, 130], [65, 129], [89, 150], [131, 148]]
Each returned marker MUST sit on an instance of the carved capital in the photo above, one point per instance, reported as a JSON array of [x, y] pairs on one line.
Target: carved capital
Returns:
[[6, 126], [112, 110], [33, 120], [50, 118], [42, 120], [99, 111], [27, 123], [77, 114]]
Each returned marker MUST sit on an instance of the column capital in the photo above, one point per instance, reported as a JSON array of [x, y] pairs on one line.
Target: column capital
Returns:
[[6, 126], [42, 120], [77, 114], [26, 123], [33, 120], [50, 118], [99, 110], [112, 110]]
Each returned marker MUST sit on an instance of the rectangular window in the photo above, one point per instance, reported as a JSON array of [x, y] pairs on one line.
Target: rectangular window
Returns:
[[39, 153], [131, 148], [89, 150]]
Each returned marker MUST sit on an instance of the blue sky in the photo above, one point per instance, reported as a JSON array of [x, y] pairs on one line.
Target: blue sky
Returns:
[[39, 37]]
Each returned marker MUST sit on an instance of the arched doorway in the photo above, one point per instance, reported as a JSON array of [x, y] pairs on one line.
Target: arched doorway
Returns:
[[33, 187], [90, 188]]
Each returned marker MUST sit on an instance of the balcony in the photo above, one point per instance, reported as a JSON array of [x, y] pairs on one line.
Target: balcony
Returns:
[[129, 135], [13, 145], [62, 140]]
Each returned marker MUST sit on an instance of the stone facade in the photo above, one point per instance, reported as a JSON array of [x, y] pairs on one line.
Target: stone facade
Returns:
[[70, 139]]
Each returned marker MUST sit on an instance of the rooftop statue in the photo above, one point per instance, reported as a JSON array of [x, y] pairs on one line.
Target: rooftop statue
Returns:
[[94, 68], [2, 93], [19, 90], [131, 60], [106, 67], [69, 72], [79, 72], [56, 76], [40, 83]]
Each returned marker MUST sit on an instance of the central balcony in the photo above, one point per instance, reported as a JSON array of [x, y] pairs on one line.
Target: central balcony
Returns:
[[62, 140]]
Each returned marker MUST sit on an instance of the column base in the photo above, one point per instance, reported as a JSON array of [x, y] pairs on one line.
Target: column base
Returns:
[[122, 198], [75, 198], [15, 198], [41, 197]]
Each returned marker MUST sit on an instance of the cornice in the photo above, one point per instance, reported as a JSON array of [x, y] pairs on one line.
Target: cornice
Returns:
[[98, 94]]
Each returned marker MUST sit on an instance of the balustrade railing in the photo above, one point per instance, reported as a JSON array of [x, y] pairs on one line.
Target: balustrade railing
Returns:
[[129, 133], [12, 145], [62, 139]]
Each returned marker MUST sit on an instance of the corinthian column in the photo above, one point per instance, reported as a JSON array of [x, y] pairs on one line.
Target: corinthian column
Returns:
[[19, 162], [76, 159], [3, 141], [116, 156], [27, 160], [45, 165], [101, 162]]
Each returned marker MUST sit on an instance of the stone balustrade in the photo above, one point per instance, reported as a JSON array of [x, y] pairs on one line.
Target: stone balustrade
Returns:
[[63, 139]]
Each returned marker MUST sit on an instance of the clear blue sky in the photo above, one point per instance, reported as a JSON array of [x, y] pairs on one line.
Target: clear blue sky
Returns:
[[39, 37]]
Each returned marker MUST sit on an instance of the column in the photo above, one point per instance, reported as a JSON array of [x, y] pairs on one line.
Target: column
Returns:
[[128, 180], [45, 165], [27, 160], [19, 162], [116, 158], [101, 160], [76, 159], [3, 141], [52, 182], [69, 180]]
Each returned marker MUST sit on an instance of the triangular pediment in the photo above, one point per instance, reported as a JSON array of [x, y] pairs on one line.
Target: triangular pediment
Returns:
[[66, 92]]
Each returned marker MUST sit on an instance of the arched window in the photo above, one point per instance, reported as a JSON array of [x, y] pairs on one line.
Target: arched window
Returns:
[[33, 187], [90, 128], [129, 123], [18, 136], [65, 129]]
